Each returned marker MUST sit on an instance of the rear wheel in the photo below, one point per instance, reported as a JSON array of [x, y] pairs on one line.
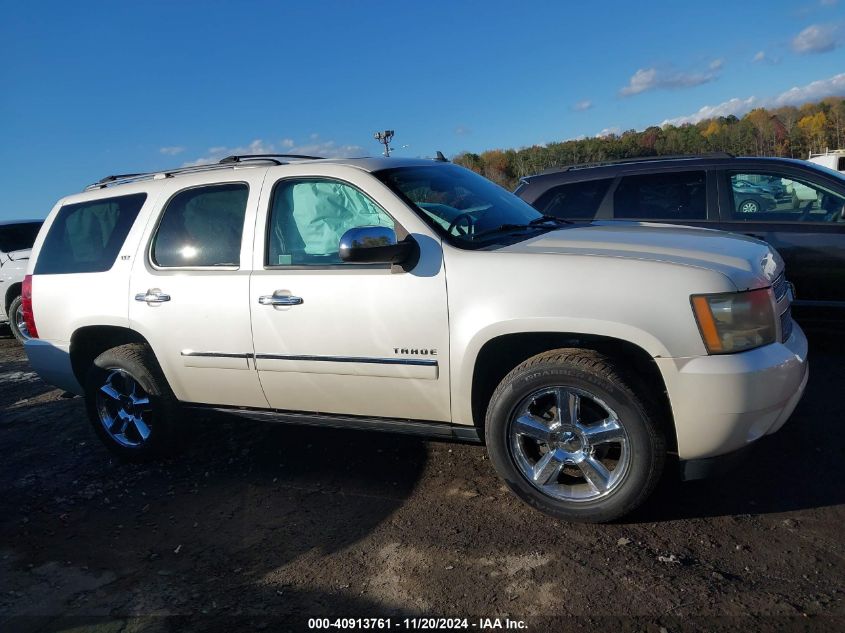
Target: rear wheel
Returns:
[[130, 404], [572, 439], [17, 322]]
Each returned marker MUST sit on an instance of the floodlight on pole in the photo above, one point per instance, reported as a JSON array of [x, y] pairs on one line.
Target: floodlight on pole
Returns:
[[384, 138]]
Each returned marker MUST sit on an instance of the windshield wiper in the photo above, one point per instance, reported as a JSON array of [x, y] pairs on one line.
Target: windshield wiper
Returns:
[[501, 229], [548, 218], [543, 219]]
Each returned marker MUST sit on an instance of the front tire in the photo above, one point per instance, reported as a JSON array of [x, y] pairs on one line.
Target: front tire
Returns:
[[572, 439], [130, 405], [16, 321]]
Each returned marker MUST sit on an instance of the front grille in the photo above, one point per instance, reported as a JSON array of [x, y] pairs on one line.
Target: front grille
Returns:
[[779, 287], [786, 325]]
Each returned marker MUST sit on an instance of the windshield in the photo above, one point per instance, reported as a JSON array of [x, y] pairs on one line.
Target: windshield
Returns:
[[17, 237], [466, 207]]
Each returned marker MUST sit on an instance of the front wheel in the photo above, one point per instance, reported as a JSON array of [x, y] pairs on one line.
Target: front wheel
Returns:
[[571, 438], [130, 405]]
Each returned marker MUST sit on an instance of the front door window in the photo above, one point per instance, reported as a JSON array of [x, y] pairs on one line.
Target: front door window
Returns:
[[762, 197]]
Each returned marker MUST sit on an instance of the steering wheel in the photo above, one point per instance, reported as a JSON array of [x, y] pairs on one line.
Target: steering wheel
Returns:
[[462, 224]]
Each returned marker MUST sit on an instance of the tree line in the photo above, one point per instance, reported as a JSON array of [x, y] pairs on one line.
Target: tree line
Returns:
[[786, 131]]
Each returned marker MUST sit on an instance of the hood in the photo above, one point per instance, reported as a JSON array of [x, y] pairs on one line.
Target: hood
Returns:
[[24, 253], [748, 262]]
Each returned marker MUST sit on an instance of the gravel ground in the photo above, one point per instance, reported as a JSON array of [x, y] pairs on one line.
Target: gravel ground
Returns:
[[262, 526]]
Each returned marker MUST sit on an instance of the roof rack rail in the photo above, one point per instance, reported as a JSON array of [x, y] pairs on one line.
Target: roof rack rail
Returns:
[[638, 159], [240, 158], [228, 162]]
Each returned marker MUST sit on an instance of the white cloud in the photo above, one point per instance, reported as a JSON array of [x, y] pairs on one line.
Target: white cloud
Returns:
[[829, 3], [609, 131], [462, 130], [794, 96], [762, 57], [171, 150], [816, 38], [668, 78], [581, 106], [325, 149]]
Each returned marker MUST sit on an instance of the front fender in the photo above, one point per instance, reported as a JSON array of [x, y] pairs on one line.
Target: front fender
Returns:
[[465, 359]]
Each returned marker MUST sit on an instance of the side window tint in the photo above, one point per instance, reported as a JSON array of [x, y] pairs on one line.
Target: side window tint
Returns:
[[577, 200], [308, 218], [86, 237], [202, 227], [760, 197], [663, 196]]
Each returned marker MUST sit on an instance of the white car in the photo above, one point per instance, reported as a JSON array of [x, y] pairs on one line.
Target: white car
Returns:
[[414, 296], [16, 238]]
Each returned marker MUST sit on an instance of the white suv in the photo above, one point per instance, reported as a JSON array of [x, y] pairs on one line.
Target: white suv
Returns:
[[16, 238], [414, 296]]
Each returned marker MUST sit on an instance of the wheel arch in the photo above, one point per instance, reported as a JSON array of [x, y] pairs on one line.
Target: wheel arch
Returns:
[[11, 292], [499, 355], [88, 342]]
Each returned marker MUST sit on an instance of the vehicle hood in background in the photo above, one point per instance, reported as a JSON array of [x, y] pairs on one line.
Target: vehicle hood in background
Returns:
[[19, 255], [748, 262]]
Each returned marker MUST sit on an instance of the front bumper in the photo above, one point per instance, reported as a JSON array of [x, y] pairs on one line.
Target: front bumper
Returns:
[[51, 361], [723, 403]]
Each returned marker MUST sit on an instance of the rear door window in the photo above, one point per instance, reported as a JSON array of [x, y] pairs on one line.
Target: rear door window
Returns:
[[574, 201], [86, 237], [202, 227], [662, 196]]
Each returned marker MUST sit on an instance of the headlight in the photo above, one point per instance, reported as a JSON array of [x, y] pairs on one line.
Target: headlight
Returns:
[[735, 321]]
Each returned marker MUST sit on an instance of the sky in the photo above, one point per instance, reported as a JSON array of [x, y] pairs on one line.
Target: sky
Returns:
[[96, 88]]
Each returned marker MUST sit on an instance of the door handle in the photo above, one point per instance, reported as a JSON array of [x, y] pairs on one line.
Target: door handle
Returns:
[[279, 300], [153, 295]]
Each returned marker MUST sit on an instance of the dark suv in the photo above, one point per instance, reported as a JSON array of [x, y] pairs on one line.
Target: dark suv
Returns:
[[796, 206]]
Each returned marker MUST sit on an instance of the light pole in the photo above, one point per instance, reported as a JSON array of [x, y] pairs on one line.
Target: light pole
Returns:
[[384, 138]]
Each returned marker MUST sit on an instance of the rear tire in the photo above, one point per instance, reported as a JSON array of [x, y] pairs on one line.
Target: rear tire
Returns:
[[16, 323], [130, 405], [572, 439]]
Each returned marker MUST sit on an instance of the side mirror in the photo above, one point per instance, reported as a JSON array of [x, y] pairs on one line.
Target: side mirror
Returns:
[[375, 245]]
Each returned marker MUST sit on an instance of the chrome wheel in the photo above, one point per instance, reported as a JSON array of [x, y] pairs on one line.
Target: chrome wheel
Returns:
[[20, 323], [569, 444], [124, 409]]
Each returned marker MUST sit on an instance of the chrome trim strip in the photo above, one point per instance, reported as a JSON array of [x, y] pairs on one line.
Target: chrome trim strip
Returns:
[[351, 359], [187, 352]]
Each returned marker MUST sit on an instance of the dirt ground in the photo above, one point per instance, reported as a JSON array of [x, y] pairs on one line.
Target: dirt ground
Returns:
[[260, 527]]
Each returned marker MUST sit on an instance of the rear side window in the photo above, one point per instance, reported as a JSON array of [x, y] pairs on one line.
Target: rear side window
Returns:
[[202, 226], [574, 201], [663, 196], [86, 237]]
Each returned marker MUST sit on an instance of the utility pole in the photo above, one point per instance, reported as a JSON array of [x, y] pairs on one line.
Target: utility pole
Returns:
[[384, 138]]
